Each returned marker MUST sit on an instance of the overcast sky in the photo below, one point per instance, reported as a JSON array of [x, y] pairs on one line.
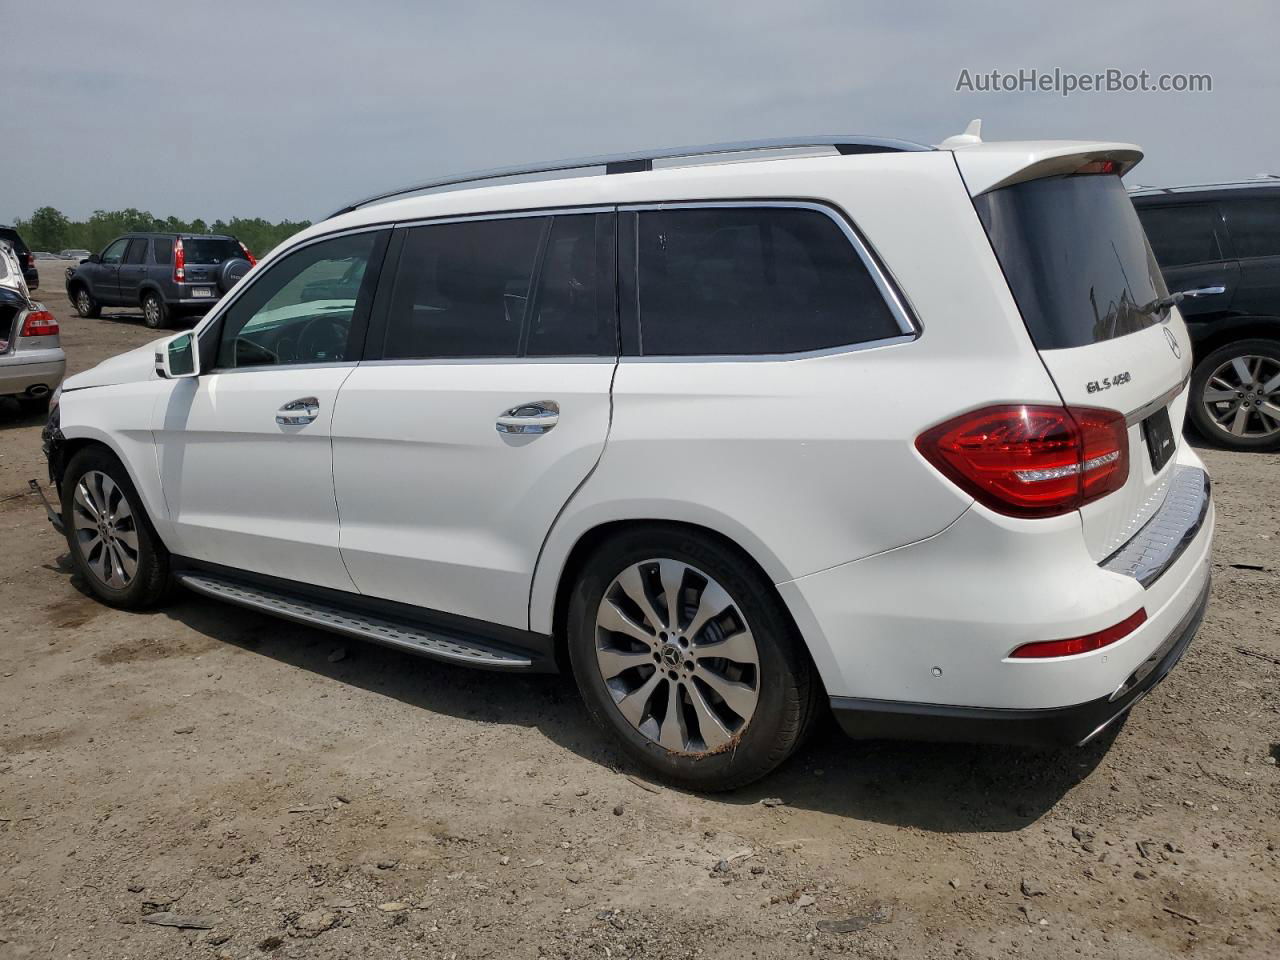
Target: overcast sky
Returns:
[[289, 109]]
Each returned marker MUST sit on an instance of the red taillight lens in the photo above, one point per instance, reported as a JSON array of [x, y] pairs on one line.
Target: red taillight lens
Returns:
[[247, 255], [1092, 641], [1099, 166], [179, 262], [1032, 461], [31, 261], [39, 323]]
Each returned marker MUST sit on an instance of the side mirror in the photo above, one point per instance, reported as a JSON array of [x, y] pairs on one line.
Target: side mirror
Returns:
[[92, 258], [177, 357]]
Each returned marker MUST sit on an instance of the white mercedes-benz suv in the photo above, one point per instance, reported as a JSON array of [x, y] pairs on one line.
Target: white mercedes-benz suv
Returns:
[[734, 433]]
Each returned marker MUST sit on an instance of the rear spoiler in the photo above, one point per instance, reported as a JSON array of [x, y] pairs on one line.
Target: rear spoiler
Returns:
[[989, 166]]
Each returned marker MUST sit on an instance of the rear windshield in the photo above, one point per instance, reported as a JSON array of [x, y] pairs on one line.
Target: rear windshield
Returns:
[[1076, 258], [15, 241], [210, 249]]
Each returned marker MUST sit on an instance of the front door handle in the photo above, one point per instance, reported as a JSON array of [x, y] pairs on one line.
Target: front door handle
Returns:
[[537, 416], [298, 413]]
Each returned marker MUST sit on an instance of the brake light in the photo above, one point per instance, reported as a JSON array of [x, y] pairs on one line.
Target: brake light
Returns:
[[1099, 166], [1032, 461], [179, 262], [31, 261], [247, 255], [1091, 641], [39, 323]]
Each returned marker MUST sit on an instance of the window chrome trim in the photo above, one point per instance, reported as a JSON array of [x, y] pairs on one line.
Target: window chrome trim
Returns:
[[503, 215], [268, 367], [890, 291]]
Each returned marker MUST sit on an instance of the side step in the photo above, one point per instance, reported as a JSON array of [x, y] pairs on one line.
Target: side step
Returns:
[[422, 640]]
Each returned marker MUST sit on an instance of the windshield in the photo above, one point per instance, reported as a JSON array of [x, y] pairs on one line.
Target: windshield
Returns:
[[1076, 258], [210, 249]]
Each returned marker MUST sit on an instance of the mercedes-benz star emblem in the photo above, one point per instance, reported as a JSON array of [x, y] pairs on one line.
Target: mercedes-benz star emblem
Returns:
[[1173, 343]]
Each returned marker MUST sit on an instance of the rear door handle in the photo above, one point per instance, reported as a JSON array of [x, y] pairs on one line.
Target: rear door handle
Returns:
[[537, 416], [297, 413]]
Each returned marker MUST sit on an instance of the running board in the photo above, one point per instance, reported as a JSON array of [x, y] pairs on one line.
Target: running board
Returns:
[[417, 639]]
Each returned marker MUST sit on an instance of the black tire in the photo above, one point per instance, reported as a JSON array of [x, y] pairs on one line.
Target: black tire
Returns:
[[85, 303], [1209, 427], [155, 314], [789, 690], [150, 580], [232, 272]]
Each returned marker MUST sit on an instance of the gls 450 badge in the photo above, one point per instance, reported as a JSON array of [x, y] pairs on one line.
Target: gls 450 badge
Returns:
[[1106, 383]]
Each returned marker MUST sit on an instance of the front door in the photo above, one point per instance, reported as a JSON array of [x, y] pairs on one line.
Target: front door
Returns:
[[486, 407], [106, 273], [244, 450]]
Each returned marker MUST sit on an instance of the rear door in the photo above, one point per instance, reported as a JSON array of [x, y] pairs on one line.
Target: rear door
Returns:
[[133, 269], [1086, 283], [1193, 249], [483, 405]]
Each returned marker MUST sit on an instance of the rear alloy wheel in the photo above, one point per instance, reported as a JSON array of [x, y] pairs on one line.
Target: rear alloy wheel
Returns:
[[685, 652], [1235, 397], [154, 313], [111, 540], [86, 306]]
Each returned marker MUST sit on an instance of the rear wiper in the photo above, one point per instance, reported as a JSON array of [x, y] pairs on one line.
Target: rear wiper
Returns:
[[1162, 304]]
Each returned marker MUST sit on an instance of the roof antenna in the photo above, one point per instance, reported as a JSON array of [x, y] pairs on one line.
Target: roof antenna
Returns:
[[972, 134]]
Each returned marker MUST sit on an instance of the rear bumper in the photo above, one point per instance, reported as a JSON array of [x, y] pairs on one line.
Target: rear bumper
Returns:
[[1060, 726], [20, 373]]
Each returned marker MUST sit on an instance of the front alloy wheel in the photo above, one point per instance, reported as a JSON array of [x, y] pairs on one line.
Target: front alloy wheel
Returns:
[[677, 656], [106, 530]]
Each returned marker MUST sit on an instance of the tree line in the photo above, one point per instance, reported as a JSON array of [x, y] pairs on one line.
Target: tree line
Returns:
[[48, 229]]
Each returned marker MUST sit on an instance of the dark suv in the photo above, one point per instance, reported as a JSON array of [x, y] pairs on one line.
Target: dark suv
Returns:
[[25, 258], [1220, 243], [166, 274]]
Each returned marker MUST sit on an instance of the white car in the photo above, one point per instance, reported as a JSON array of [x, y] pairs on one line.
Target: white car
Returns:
[[847, 423]]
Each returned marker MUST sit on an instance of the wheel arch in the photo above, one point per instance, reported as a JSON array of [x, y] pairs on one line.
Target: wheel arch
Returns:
[[149, 286], [85, 438], [1225, 332]]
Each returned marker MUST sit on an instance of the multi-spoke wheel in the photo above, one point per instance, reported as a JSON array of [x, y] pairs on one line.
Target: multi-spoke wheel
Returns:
[[105, 529], [86, 305], [154, 313], [110, 538], [1236, 395], [683, 651]]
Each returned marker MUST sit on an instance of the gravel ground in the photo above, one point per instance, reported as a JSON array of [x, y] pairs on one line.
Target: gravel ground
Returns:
[[297, 796]]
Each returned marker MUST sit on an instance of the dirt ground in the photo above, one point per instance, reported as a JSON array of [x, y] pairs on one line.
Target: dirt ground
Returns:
[[304, 797]]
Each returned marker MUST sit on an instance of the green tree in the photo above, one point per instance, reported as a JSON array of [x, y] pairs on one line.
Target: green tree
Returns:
[[47, 229]]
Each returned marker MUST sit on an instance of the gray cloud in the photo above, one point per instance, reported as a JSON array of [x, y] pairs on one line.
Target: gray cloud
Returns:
[[290, 109]]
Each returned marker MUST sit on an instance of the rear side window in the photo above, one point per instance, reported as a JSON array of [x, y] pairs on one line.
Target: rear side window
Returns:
[[1255, 227], [728, 281], [1076, 258], [137, 252], [572, 311], [1183, 234], [461, 289], [162, 250], [210, 250]]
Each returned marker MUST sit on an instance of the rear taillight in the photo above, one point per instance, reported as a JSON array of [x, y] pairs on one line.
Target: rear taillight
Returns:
[[1032, 461], [31, 261], [1091, 641], [39, 323], [179, 262], [247, 255]]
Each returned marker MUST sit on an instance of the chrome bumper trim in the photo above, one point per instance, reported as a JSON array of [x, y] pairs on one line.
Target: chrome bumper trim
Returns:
[[1155, 547]]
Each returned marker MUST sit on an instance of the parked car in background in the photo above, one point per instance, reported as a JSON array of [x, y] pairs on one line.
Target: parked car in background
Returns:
[[167, 275], [32, 363], [887, 430], [1219, 245], [74, 254], [25, 257]]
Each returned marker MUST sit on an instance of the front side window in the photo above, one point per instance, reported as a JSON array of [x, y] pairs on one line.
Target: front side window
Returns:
[[461, 289], [752, 281], [302, 309], [1255, 227], [115, 251], [1183, 234]]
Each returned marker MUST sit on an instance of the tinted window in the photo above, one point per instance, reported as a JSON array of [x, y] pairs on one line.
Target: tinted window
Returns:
[[729, 281], [571, 315], [1187, 233], [137, 252], [302, 309], [1075, 256], [15, 241], [210, 250], [115, 252], [162, 250], [461, 289], [1255, 227]]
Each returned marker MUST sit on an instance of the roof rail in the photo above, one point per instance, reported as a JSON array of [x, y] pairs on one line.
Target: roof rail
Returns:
[[643, 161], [1263, 179]]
